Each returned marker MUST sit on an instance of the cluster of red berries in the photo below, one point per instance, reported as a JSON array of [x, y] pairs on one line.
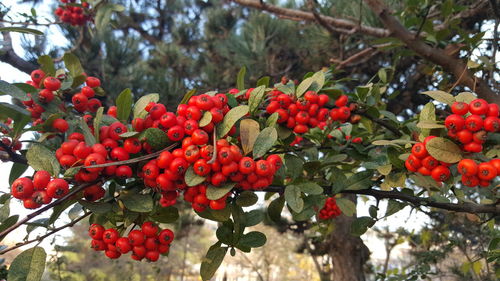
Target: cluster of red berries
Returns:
[[14, 146], [421, 162], [471, 130], [40, 190], [474, 174], [72, 13], [148, 242], [330, 209]]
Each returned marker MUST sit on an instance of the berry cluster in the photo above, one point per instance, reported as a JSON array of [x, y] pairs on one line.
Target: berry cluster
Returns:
[[420, 161], [471, 129], [148, 242], [14, 146], [72, 13], [474, 174], [330, 209], [40, 190]]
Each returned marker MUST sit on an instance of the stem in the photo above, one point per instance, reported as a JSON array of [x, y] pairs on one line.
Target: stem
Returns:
[[14, 157], [40, 238]]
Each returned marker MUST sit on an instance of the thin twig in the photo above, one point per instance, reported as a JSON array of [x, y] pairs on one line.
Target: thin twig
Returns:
[[14, 157]]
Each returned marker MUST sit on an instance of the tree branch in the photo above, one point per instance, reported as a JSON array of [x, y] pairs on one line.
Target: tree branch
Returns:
[[435, 55], [41, 238], [340, 25], [14, 157], [8, 55]]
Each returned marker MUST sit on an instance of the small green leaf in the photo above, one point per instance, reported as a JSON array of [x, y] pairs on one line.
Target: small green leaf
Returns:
[[303, 86], [212, 261], [293, 198], [124, 104], [89, 137], [444, 150], [97, 121], [205, 119], [187, 96], [361, 180], [393, 207], [165, 215], [272, 120], [264, 141], [41, 158], [309, 187], [240, 80], [428, 124], [465, 97], [13, 91], [156, 138], [139, 106], [142, 203], [360, 225], [217, 192], [129, 134], [191, 178], [347, 207], [256, 97], [47, 65], [10, 221], [318, 80], [16, 171], [246, 198], [253, 239], [253, 217], [28, 266], [72, 63], [100, 208], [264, 81], [230, 119], [440, 96], [21, 30], [275, 208]]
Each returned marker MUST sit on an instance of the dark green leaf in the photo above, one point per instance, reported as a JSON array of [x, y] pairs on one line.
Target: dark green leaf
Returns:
[[124, 104], [212, 261], [360, 225], [47, 65], [393, 207], [361, 180], [16, 171], [41, 158], [246, 199], [347, 207], [217, 192], [13, 91], [230, 119], [294, 165], [97, 121], [191, 178], [253, 217], [21, 30], [100, 208], [293, 198], [309, 187], [28, 266], [141, 203], [275, 208], [72, 63], [265, 140], [165, 215], [87, 134], [253, 239], [10, 221], [156, 138]]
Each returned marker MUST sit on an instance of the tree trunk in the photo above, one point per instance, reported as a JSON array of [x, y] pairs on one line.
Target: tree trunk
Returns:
[[348, 253]]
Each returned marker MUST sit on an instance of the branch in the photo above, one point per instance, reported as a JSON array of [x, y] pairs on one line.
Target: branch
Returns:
[[340, 25], [41, 238], [466, 207], [365, 53], [8, 55], [14, 157], [435, 55], [47, 207]]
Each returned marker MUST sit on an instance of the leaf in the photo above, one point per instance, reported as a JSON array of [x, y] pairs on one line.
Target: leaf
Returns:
[[165, 215], [191, 178], [288, 88], [303, 86], [249, 130], [13, 91], [21, 30], [465, 97], [294, 165], [428, 112], [318, 79], [230, 119], [440, 96], [72, 63], [97, 121], [444, 150], [87, 134], [275, 208], [156, 138], [16, 171], [309, 187], [246, 199], [253, 217], [361, 180], [360, 225], [385, 169], [256, 97], [212, 261], [103, 16], [347, 207], [217, 192], [428, 124], [139, 106], [264, 141], [264, 81], [28, 266], [187, 96], [253, 239], [124, 104], [141, 203], [293, 198], [393, 207], [10, 221], [100, 208], [240, 79], [41, 158], [205, 119], [47, 65], [272, 120]]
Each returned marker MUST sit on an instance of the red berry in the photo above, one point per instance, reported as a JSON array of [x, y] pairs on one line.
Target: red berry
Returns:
[[486, 171], [460, 108], [478, 107], [149, 229], [419, 150], [467, 167], [93, 82], [454, 122], [41, 179], [136, 238], [440, 173], [60, 125], [123, 245], [57, 188], [166, 236], [474, 123], [96, 231], [52, 83], [22, 188]]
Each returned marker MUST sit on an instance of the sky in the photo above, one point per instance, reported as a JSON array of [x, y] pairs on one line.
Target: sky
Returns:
[[407, 218]]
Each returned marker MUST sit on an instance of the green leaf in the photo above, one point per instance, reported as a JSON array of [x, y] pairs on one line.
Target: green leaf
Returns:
[[256, 97], [72, 63], [444, 150], [309, 187], [465, 97], [275, 208], [249, 130], [13, 91], [41, 158], [21, 30], [139, 106], [360, 225], [272, 120], [288, 88], [264, 81], [156, 138], [28, 266], [347, 207], [440, 96], [303, 86], [5, 210], [191, 178], [165, 215], [240, 80], [393, 207], [293, 198], [47, 65], [124, 104], [253, 239], [318, 80], [230, 119], [87, 134], [100, 208], [212, 261], [103, 16], [428, 112], [428, 124], [264, 141], [187, 96], [16, 171], [97, 121], [141, 203], [205, 119], [10, 221], [361, 180], [253, 217], [217, 192], [246, 199], [294, 165]]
